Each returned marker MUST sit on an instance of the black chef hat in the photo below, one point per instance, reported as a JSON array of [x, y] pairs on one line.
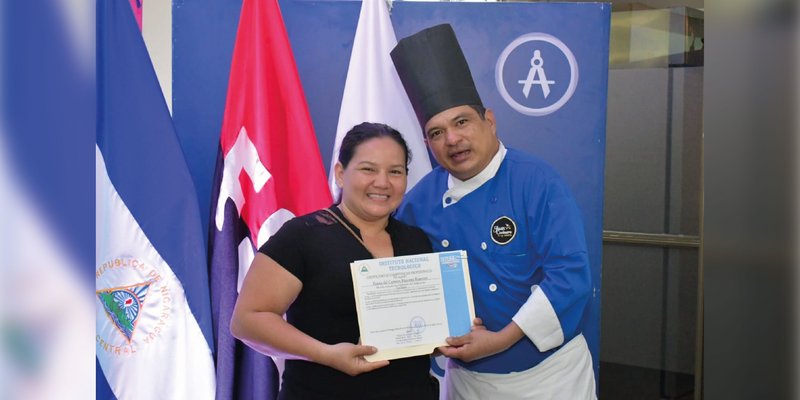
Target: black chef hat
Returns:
[[434, 72]]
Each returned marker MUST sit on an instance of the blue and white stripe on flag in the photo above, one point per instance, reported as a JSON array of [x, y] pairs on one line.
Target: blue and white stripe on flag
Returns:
[[152, 299]]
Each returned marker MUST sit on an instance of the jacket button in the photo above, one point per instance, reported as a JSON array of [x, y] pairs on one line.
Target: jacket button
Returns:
[[445, 243], [493, 288]]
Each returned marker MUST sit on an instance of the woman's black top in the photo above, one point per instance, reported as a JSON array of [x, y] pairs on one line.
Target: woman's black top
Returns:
[[318, 250]]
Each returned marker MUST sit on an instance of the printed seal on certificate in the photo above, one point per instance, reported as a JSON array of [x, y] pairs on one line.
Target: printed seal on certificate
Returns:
[[407, 306], [417, 325]]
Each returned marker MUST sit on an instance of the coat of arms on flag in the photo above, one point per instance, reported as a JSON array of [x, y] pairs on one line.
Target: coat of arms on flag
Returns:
[[123, 304]]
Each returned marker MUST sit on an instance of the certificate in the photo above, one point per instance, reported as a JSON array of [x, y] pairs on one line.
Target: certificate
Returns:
[[407, 306]]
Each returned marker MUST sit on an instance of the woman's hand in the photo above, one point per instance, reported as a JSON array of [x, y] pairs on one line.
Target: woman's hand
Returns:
[[349, 358]]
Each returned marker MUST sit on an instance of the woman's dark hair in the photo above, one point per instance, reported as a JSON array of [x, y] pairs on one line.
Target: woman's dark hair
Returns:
[[366, 131]]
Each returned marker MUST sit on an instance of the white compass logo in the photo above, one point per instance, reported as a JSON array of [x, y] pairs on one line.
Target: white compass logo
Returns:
[[534, 84]]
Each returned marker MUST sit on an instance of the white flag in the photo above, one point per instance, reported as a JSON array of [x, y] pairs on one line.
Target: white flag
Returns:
[[373, 92]]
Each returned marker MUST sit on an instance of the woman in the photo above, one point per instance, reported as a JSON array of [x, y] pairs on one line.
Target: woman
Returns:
[[304, 271]]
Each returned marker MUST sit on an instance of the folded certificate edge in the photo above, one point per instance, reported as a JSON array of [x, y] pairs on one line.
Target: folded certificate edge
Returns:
[[403, 352], [468, 287]]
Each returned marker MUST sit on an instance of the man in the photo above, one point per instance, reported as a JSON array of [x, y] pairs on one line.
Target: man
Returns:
[[520, 226]]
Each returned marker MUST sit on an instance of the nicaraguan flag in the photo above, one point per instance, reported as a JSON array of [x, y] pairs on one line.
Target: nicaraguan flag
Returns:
[[152, 296], [268, 170], [373, 91]]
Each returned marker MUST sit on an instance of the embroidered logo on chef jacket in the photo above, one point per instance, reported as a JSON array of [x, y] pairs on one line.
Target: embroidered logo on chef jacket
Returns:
[[503, 230]]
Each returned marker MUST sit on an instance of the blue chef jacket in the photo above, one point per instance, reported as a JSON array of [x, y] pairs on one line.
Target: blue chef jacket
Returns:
[[547, 247]]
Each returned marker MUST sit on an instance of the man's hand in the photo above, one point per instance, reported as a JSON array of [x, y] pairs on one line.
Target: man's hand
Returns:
[[481, 342], [477, 324]]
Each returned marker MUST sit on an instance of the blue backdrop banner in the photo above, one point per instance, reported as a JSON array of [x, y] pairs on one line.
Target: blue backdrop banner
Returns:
[[542, 68]]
